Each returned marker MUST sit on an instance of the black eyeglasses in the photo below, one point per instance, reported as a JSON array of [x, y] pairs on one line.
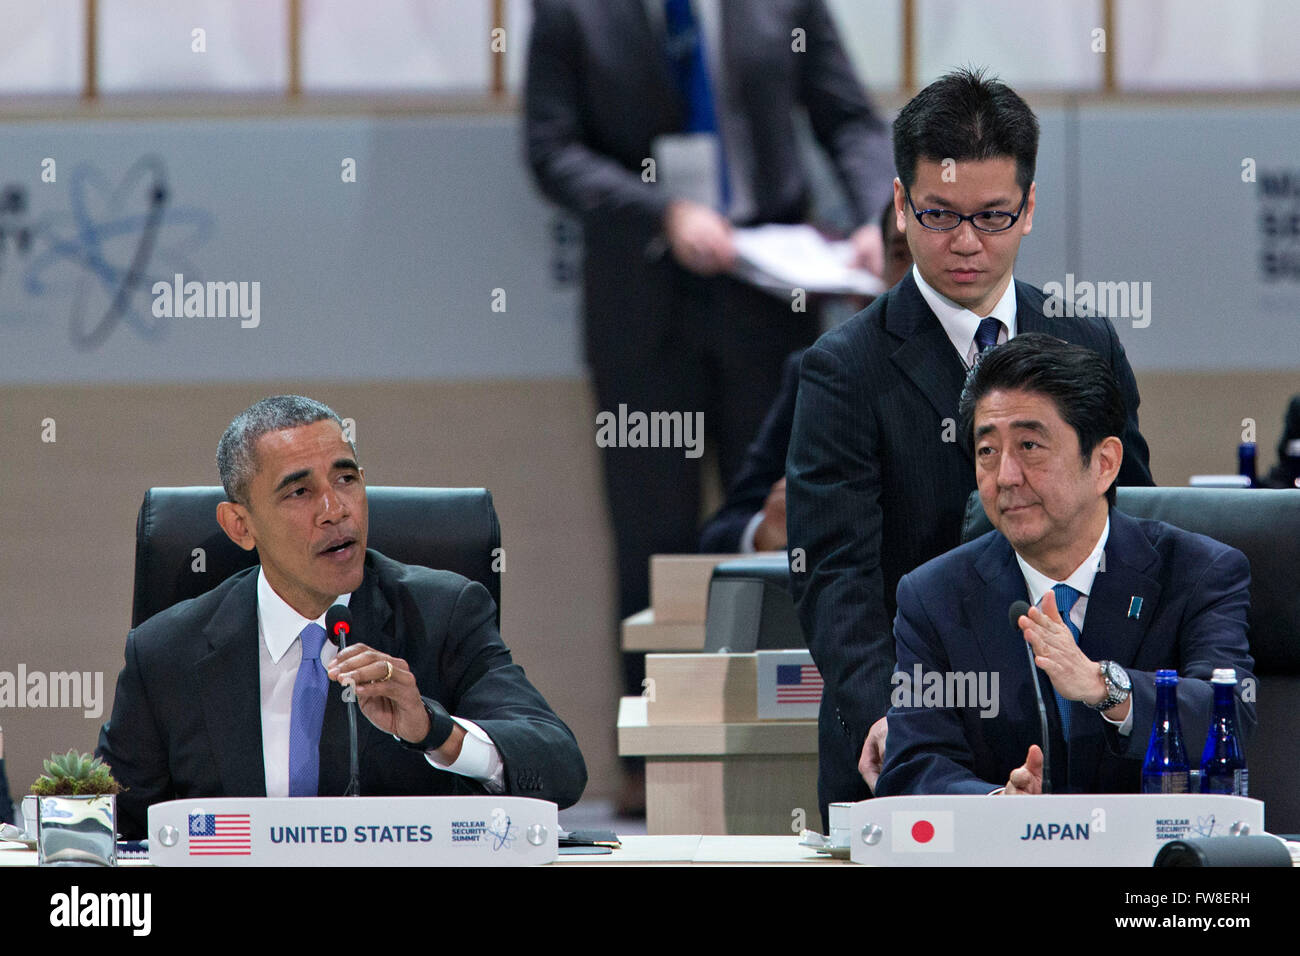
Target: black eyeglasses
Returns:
[[945, 220]]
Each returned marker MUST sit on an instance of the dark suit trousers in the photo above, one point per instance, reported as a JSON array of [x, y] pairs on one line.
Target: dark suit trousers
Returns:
[[720, 354]]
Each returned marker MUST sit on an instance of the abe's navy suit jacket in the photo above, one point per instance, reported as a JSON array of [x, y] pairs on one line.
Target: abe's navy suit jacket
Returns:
[[953, 616]]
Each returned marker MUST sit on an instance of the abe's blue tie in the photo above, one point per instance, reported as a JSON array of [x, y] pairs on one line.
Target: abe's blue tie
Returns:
[[307, 715], [1065, 598], [690, 69]]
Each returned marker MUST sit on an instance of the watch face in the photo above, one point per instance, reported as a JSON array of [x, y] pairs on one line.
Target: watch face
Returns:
[[1118, 676]]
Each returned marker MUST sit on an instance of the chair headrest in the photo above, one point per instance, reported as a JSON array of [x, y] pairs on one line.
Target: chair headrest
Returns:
[[181, 551]]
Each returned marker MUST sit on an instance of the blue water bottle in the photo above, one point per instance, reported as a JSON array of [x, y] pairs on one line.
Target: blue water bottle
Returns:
[[1223, 762], [1165, 768], [1246, 462]]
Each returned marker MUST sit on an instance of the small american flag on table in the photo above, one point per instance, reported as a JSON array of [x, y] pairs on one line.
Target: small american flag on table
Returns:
[[221, 834], [789, 686], [798, 684]]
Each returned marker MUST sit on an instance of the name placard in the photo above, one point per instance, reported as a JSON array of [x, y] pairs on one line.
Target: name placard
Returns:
[[1042, 830], [354, 831]]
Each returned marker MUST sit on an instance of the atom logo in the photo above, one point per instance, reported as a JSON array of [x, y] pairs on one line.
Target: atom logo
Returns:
[[100, 250]]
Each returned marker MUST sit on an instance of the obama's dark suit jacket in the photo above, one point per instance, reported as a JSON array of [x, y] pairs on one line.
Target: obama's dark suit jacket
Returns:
[[876, 482], [186, 718]]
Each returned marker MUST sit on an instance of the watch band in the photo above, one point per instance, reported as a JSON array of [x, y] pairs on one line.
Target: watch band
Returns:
[[1114, 693], [440, 727]]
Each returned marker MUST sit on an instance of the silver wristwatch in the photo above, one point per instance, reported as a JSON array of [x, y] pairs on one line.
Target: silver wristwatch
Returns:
[[1118, 685]]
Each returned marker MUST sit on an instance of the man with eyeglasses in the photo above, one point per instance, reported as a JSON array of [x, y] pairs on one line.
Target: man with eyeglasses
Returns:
[[876, 477]]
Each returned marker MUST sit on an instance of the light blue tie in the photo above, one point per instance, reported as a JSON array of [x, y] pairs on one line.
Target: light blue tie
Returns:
[[1065, 598], [308, 713]]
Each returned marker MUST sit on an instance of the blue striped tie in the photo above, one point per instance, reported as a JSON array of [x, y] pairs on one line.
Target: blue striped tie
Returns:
[[986, 336], [307, 714], [1065, 598]]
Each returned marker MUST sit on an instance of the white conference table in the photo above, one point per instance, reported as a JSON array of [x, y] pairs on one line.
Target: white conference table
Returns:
[[670, 850]]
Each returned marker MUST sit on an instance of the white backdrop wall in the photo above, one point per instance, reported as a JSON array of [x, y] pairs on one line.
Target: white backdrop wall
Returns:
[[444, 45], [442, 262]]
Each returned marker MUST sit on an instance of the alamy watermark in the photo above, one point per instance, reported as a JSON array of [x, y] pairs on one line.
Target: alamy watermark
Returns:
[[74, 908], [55, 690], [1115, 300], [179, 299], [946, 689], [651, 430]]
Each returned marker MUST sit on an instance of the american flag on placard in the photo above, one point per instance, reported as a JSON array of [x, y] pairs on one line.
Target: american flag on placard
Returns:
[[221, 834], [798, 684]]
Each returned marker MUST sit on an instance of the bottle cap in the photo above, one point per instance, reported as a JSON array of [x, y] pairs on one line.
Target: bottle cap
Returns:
[[1166, 677], [1224, 675]]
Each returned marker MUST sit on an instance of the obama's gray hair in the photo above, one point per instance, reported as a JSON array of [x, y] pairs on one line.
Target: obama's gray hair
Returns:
[[237, 450]]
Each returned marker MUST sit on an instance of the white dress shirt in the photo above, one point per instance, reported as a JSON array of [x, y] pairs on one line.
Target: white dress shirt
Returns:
[[751, 529], [961, 323], [279, 657], [1081, 580]]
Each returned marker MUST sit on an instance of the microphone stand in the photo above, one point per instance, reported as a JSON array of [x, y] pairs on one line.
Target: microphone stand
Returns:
[[1014, 612], [354, 779], [1042, 721]]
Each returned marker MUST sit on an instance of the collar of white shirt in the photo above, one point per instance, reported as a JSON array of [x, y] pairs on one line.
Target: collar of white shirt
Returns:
[[278, 624], [961, 323], [1081, 579]]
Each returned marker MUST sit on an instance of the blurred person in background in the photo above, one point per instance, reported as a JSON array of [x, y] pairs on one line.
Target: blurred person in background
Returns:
[[615, 84], [1287, 470]]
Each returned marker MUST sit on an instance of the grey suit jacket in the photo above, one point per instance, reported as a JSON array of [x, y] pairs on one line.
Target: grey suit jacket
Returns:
[[186, 718], [599, 92], [876, 483]]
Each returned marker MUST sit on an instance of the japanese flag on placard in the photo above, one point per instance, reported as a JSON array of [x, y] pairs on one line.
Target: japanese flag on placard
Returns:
[[916, 832]]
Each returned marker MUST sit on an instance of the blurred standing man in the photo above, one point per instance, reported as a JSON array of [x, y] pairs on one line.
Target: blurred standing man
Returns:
[[876, 479], [613, 84]]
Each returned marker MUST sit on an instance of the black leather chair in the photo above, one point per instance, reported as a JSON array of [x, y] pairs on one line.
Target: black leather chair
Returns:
[[1265, 526], [454, 529]]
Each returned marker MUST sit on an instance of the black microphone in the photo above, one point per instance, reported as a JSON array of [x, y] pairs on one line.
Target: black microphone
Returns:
[[338, 628], [1015, 612]]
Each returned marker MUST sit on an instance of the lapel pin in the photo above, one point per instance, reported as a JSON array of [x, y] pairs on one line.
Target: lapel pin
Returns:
[[1134, 608]]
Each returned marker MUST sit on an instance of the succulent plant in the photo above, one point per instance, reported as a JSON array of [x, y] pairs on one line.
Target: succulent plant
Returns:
[[75, 774]]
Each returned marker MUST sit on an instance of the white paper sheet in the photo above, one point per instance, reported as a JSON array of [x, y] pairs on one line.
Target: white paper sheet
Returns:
[[781, 258]]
